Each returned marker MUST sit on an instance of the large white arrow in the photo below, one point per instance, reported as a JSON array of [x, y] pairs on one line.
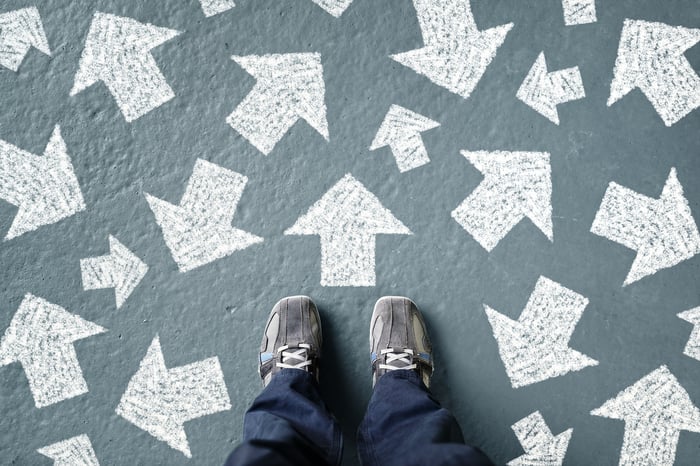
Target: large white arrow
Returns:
[[536, 346], [75, 451], [655, 410], [542, 448], [516, 185], [44, 188], [334, 7], [456, 53], [199, 231], [662, 231], [579, 12], [543, 91], [289, 87], [19, 31], [160, 400], [121, 269], [41, 337], [650, 57], [214, 7], [692, 348], [347, 218], [401, 130], [117, 52]]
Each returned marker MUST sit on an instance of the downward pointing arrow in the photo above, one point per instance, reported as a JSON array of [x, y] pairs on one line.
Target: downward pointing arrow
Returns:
[[541, 447], [75, 451], [692, 348], [662, 231], [536, 346], [160, 400], [347, 218], [41, 337], [655, 410], [117, 52], [334, 7], [19, 31]]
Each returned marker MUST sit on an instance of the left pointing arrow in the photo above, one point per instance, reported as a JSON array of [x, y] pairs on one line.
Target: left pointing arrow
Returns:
[[41, 337], [75, 451], [44, 188], [19, 31]]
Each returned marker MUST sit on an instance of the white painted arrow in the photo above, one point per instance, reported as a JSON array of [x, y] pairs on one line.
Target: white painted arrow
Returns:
[[650, 57], [692, 348], [536, 346], [121, 269], [160, 400], [19, 31], [516, 185], [44, 188], [543, 91], [456, 54], [289, 87], [347, 218], [401, 130], [214, 7], [542, 448], [117, 52], [662, 231], [75, 451], [333, 7], [41, 337], [655, 410], [199, 231], [579, 12]]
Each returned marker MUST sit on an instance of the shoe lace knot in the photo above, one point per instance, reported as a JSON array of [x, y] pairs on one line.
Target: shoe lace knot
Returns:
[[397, 359], [297, 357]]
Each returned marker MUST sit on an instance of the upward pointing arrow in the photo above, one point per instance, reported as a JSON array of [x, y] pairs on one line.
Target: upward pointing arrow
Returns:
[[41, 337], [692, 348], [289, 87], [117, 52], [650, 57], [655, 410], [347, 218], [662, 231], [75, 451], [541, 447], [19, 31], [456, 54], [44, 188], [334, 7]]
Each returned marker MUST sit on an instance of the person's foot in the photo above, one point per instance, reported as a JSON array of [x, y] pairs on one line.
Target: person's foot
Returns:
[[292, 338], [398, 339]]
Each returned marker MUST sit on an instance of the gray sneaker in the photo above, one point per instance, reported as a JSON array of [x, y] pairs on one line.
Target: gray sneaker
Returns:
[[292, 338], [398, 339]]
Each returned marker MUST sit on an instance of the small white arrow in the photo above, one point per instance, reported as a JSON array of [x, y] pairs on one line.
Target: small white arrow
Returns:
[[199, 231], [543, 91], [347, 218], [19, 31], [655, 410], [44, 188], [650, 57], [160, 400], [117, 52], [516, 185], [75, 451], [121, 269], [41, 337], [214, 7], [579, 12], [662, 231], [289, 87], [333, 7], [456, 54], [536, 346], [401, 130], [542, 448], [692, 348]]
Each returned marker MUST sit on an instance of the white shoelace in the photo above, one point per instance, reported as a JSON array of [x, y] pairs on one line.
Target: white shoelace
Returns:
[[300, 354], [405, 356]]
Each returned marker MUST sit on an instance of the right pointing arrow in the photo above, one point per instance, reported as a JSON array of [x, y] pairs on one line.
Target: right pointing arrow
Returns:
[[542, 448], [75, 451], [19, 31]]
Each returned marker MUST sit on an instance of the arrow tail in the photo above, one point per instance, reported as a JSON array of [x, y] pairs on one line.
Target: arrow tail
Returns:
[[653, 445], [410, 153], [202, 381], [97, 272], [213, 192], [620, 215], [347, 260], [56, 377]]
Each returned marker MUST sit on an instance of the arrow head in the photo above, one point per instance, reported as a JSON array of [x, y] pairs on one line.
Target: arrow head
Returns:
[[19, 31], [75, 451]]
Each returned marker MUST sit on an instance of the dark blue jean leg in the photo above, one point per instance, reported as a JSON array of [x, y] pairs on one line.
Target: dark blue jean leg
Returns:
[[288, 424], [405, 425]]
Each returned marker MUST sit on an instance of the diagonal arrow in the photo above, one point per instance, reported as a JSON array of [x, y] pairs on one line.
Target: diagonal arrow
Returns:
[[655, 410], [289, 87], [662, 231], [579, 12], [199, 231], [516, 185], [650, 57], [44, 188], [347, 218], [214, 7], [543, 91], [536, 346], [41, 337], [401, 130], [75, 451], [456, 54], [160, 400], [333, 7], [692, 348], [19, 31], [117, 52], [121, 269], [542, 448]]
